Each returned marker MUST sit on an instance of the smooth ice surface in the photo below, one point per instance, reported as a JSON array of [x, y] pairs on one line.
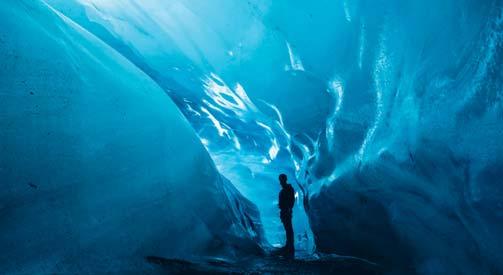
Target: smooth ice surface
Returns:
[[98, 168], [187, 47], [388, 112]]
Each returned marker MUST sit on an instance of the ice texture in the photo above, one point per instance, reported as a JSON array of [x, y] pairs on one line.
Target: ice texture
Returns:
[[187, 47], [98, 167], [386, 114]]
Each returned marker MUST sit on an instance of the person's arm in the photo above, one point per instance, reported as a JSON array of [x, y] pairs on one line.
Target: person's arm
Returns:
[[292, 198]]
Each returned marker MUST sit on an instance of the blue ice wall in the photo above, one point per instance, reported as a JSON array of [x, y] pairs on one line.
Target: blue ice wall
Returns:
[[388, 113], [98, 167], [406, 171], [199, 59]]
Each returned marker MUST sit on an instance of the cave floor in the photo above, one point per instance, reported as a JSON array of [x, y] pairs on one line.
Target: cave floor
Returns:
[[302, 264]]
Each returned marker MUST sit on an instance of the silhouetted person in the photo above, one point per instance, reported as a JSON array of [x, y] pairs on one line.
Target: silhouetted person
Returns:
[[286, 202]]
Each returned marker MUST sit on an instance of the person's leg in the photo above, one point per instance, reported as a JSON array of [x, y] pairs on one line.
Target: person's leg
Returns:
[[289, 235], [284, 221]]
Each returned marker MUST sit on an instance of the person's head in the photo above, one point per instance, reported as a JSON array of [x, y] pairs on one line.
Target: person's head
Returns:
[[282, 179]]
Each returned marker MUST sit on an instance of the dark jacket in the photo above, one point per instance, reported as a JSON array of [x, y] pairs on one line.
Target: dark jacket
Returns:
[[286, 198]]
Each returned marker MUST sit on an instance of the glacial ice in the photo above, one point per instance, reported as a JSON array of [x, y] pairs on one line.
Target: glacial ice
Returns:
[[387, 115], [181, 46], [98, 168]]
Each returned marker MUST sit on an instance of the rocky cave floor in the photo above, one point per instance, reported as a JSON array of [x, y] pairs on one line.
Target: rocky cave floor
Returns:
[[302, 264]]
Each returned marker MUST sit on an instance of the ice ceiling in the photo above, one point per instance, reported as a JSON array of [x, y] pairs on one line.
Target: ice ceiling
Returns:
[[386, 115]]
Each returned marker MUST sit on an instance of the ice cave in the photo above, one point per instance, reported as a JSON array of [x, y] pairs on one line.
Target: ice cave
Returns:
[[147, 136]]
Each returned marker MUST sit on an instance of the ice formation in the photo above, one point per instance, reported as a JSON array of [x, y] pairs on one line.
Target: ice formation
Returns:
[[98, 167], [387, 115]]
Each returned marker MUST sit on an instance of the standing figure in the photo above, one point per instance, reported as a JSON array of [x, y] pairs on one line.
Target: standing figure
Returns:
[[286, 202]]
